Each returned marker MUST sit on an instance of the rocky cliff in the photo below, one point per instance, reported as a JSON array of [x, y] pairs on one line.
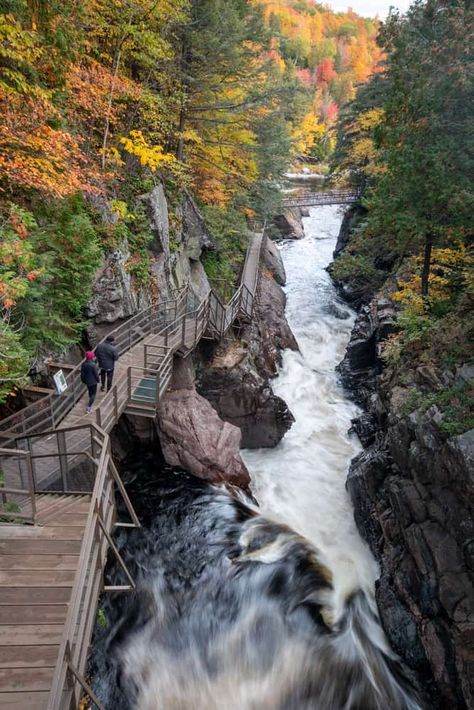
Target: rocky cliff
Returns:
[[204, 418], [235, 375], [412, 490]]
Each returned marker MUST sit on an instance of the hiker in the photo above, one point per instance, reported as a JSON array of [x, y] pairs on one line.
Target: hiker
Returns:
[[90, 377], [107, 355]]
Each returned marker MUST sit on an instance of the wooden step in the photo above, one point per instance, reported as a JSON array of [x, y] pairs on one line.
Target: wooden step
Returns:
[[67, 519], [35, 562], [18, 532], [24, 701], [31, 635], [36, 578], [17, 596], [25, 679], [40, 547], [36, 614], [28, 656]]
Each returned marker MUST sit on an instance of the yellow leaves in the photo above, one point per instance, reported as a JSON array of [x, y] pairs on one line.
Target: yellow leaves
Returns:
[[308, 133], [18, 50], [151, 156], [370, 119], [449, 267]]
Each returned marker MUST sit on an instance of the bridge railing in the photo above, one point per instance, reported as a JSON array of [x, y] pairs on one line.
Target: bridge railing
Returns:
[[17, 501]]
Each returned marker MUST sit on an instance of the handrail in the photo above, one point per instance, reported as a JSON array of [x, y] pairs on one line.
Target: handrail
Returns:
[[80, 620], [164, 319], [328, 197], [46, 404]]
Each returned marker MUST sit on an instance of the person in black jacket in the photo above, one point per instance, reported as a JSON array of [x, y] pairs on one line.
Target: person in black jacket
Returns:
[[107, 355], [90, 377]]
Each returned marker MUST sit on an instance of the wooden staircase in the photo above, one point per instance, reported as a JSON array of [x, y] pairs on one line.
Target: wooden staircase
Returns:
[[37, 570]]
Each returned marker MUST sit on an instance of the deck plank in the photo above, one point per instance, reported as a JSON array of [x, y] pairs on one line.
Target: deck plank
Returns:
[[36, 578], [28, 656], [16, 680], [30, 634], [35, 562], [35, 614], [18, 596], [24, 701]]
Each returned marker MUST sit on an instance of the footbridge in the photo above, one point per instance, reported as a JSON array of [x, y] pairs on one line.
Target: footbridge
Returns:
[[59, 490], [307, 198]]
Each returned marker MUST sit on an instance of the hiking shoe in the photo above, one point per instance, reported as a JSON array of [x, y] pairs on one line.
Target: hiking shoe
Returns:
[[102, 389], [88, 410]]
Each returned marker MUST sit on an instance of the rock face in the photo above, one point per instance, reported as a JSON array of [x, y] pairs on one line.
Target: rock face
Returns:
[[194, 437], [179, 239], [274, 263], [413, 494], [289, 223], [235, 376]]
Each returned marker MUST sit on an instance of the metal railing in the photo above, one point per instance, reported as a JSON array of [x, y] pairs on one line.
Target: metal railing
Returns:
[[307, 198], [17, 503], [48, 412], [69, 680], [179, 322]]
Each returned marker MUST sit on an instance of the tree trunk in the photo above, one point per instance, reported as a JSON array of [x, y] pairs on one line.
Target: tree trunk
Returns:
[[185, 63], [425, 274]]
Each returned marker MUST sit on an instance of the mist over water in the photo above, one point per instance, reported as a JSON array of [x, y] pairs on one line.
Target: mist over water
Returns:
[[302, 480]]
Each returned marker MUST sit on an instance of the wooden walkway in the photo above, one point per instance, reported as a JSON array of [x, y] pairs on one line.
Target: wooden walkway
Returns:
[[316, 199], [59, 475], [37, 567]]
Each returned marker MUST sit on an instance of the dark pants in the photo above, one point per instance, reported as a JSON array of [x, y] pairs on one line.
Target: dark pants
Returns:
[[106, 374], [92, 389]]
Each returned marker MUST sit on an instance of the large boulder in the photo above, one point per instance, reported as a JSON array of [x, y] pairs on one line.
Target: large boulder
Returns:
[[274, 263], [290, 224], [243, 397], [194, 437]]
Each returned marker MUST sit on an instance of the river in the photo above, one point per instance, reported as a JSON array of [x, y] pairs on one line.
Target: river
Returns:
[[269, 608], [302, 480]]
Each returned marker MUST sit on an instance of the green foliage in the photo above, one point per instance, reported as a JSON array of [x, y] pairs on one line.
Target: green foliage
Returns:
[[69, 253], [229, 230], [455, 403], [101, 619], [14, 359]]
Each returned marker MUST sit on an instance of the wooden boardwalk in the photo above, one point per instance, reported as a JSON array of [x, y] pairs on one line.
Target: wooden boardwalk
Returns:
[[63, 480], [37, 568]]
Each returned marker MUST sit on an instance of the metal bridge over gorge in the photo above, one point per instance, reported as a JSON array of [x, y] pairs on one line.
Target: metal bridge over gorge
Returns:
[[59, 489], [307, 198]]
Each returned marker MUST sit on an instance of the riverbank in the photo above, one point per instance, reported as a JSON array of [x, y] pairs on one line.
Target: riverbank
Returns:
[[412, 490]]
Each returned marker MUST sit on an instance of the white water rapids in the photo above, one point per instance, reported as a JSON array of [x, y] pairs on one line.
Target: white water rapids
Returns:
[[302, 480], [233, 610]]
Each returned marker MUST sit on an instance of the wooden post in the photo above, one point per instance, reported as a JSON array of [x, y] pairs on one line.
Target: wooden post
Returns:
[[115, 396], [31, 486], [63, 462]]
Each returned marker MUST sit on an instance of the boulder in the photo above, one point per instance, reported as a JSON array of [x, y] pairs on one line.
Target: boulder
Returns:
[[290, 224], [243, 397], [194, 437], [274, 263]]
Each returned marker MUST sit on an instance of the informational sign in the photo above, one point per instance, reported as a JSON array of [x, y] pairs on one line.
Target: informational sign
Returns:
[[60, 381]]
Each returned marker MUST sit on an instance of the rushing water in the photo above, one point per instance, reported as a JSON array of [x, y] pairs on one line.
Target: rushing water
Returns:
[[302, 480], [269, 609]]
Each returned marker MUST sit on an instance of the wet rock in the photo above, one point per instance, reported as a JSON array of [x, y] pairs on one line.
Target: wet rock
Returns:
[[243, 397], [351, 216], [236, 375], [274, 263], [194, 437], [269, 333], [290, 224]]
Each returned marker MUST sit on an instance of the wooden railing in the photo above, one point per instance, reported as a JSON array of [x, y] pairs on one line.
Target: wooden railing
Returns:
[[307, 198]]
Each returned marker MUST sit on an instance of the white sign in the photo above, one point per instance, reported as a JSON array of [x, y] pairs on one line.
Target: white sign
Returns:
[[60, 381]]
